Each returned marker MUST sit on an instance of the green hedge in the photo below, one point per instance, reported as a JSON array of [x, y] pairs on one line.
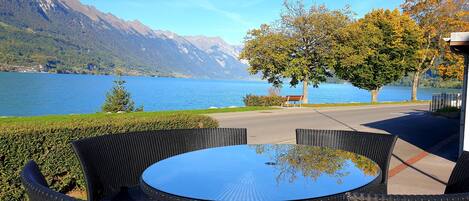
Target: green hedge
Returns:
[[48, 143], [253, 100], [448, 110]]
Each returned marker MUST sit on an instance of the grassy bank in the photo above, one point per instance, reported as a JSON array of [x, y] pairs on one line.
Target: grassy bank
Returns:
[[364, 104], [97, 116]]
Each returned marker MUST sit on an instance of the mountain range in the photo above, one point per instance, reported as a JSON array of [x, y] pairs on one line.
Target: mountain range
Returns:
[[66, 36]]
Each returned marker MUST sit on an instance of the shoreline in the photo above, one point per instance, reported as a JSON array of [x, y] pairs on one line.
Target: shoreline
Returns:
[[204, 111], [188, 77], [137, 75], [30, 70]]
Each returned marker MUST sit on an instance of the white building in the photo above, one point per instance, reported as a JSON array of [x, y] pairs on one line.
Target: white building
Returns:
[[459, 43]]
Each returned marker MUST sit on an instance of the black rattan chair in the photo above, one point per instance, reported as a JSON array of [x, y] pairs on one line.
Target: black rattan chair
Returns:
[[36, 185], [114, 163], [457, 188], [377, 147]]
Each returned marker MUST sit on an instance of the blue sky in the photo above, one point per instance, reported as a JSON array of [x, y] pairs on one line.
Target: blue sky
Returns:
[[228, 19]]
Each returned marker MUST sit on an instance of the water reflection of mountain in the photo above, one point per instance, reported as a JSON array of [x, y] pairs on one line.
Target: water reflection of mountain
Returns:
[[292, 161]]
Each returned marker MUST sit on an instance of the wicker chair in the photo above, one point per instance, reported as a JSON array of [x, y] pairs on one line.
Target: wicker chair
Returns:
[[377, 147], [456, 190], [36, 185], [113, 164]]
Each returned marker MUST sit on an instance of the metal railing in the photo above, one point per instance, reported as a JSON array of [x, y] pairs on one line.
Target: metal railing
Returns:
[[445, 100]]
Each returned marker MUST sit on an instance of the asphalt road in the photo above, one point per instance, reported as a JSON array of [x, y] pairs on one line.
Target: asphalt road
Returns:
[[412, 123]]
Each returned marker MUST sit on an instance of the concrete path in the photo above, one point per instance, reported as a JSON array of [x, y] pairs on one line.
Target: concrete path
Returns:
[[421, 161]]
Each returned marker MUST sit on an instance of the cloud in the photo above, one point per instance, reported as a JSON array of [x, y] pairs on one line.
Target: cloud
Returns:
[[134, 4], [245, 3], [230, 15], [209, 6]]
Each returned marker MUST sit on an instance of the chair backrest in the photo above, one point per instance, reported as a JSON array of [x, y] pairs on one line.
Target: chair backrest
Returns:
[[36, 185], [377, 147], [459, 180], [111, 162]]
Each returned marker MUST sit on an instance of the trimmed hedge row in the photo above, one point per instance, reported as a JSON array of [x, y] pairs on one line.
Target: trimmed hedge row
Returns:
[[48, 143], [253, 100]]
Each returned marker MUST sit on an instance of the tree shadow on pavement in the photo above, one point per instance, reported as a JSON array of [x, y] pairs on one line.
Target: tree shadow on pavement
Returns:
[[431, 133]]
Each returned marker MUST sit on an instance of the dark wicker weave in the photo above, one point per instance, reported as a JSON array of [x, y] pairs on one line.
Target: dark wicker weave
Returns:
[[36, 185], [377, 147], [159, 195], [456, 190], [115, 162]]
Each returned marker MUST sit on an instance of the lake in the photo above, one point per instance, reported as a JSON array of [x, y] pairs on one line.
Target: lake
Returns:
[[28, 94]]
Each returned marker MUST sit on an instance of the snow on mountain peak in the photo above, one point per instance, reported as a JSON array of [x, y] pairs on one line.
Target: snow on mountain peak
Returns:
[[211, 44], [46, 5]]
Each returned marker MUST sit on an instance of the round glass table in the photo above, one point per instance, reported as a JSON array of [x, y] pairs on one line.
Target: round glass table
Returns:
[[259, 172]]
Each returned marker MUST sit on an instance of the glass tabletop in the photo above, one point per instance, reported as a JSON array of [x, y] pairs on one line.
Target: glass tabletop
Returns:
[[261, 172]]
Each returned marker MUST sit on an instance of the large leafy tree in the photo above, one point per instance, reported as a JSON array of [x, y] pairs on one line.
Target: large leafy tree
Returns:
[[377, 50], [437, 18], [296, 47]]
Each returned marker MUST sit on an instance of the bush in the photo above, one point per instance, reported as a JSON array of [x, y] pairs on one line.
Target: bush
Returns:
[[271, 100], [47, 142]]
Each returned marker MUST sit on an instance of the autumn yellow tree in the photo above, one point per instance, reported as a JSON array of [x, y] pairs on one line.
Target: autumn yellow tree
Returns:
[[451, 66], [377, 50], [314, 162], [437, 18]]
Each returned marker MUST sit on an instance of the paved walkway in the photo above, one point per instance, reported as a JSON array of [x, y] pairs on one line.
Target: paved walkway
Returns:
[[421, 161]]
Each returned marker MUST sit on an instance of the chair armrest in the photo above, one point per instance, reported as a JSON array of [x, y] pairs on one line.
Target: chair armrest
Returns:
[[384, 197]]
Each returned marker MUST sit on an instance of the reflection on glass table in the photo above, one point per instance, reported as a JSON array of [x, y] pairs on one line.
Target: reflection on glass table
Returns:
[[260, 172]]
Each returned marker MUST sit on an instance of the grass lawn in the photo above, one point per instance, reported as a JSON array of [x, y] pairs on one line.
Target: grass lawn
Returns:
[[77, 117]]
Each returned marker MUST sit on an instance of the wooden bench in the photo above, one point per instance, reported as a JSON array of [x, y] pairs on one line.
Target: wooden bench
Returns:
[[293, 98]]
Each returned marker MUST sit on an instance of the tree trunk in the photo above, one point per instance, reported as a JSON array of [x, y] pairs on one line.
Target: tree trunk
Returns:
[[374, 96], [305, 92], [416, 77], [415, 85]]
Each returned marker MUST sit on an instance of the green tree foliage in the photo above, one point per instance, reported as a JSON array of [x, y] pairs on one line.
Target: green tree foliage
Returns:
[[297, 47], [268, 52], [377, 50], [27, 48], [119, 99]]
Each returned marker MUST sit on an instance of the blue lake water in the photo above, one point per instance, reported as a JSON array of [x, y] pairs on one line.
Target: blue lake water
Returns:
[[27, 94]]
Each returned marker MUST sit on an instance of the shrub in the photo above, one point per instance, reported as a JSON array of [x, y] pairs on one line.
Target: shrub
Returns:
[[271, 100], [119, 99], [48, 143], [448, 110]]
